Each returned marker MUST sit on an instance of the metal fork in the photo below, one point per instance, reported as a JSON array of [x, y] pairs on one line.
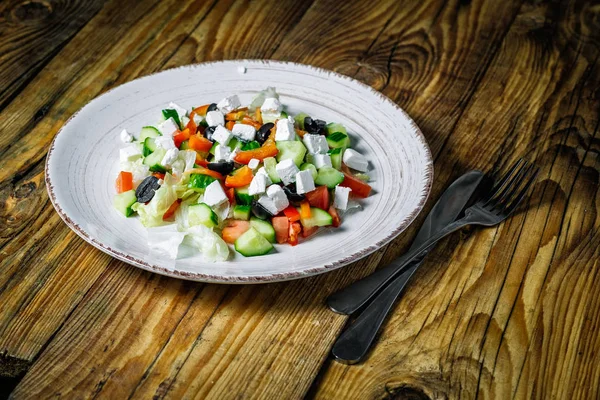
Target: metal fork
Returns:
[[502, 199]]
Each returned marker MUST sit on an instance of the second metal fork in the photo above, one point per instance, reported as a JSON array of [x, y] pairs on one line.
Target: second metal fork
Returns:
[[492, 209]]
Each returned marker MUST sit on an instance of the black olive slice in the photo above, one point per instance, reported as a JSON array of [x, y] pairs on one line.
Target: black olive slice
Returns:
[[223, 167], [259, 211], [145, 191], [263, 133], [292, 195], [212, 107]]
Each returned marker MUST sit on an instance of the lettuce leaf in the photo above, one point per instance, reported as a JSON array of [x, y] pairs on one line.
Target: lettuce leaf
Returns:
[[151, 214], [212, 247]]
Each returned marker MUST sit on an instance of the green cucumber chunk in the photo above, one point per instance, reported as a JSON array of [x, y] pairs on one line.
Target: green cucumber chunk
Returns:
[[318, 217], [252, 243], [149, 146], [264, 228], [202, 214], [233, 143], [333, 127], [170, 113], [184, 145], [336, 158], [250, 145], [153, 160], [212, 149], [270, 164], [291, 149], [311, 168], [329, 177], [242, 197], [123, 202], [199, 182], [338, 140], [300, 120], [242, 212], [148, 131]]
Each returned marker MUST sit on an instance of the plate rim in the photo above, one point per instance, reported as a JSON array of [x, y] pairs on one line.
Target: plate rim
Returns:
[[277, 277]]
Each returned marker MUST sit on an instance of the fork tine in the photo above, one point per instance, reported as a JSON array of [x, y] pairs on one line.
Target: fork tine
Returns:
[[506, 176], [510, 191], [512, 207], [505, 183]]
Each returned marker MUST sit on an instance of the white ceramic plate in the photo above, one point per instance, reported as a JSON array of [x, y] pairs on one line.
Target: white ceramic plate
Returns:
[[82, 164]]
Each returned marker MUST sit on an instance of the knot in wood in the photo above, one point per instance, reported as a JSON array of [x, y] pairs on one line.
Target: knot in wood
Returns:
[[31, 11]]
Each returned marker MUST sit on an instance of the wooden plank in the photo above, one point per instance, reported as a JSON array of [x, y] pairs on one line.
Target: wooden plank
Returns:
[[496, 323], [32, 34], [257, 336], [31, 230]]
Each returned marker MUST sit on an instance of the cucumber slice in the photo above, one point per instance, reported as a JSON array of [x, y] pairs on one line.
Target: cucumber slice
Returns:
[[170, 113], [242, 212], [338, 140], [149, 146], [336, 158], [148, 131], [212, 149], [233, 143], [333, 127], [311, 168], [242, 197], [250, 145], [153, 160], [318, 217], [264, 228], [300, 120], [291, 149], [199, 182], [270, 164], [202, 214], [184, 145], [329, 177], [123, 202], [252, 243]]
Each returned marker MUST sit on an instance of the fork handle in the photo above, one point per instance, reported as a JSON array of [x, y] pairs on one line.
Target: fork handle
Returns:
[[355, 342], [354, 296]]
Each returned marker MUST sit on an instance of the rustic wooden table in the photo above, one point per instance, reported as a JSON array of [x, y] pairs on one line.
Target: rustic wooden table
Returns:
[[512, 311]]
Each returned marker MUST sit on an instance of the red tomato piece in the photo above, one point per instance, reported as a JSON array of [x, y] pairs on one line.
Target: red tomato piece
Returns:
[[359, 188], [319, 197], [281, 226], [124, 181], [306, 232], [234, 230], [335, 217]]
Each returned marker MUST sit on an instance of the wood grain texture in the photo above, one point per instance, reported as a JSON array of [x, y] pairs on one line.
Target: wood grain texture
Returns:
[[507, 312]]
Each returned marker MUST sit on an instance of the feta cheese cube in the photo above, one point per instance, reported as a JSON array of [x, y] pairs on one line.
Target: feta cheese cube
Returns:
[[316, 144], [321, 160], [244, 132], [188, 157], [167, 127], [280, 200], [271, 105], [355, 160], [125, 136], [169, 157], [304, 182], [268, 204], [181, 112], [253, 163], [262, 171], [222, 135], [228, 104], [234, 153], [214, 118], [165, 142], [258, 185], [340, 197], [287, 171], [214, 194], [222, 153], [285, 130], [130, 152]]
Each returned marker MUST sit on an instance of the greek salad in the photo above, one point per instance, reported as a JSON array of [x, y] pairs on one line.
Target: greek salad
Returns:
[[249, 176]]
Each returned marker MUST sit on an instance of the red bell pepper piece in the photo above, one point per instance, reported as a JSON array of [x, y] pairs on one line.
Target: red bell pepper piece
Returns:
[[292, 214], [240, 177]]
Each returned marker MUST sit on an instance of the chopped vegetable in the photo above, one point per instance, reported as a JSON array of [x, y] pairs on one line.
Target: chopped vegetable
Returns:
[[292, 214], [234, 230], [267, 150], [359, 188], [282, 226], [319, 197], [294, 231], [199, 143], [124, 181], [240, 177]]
